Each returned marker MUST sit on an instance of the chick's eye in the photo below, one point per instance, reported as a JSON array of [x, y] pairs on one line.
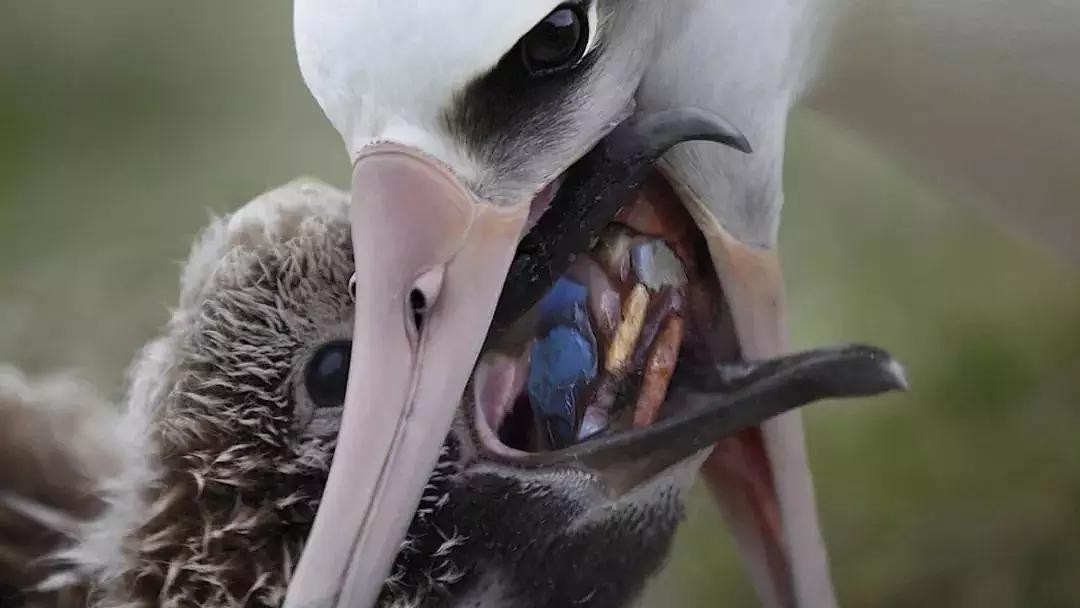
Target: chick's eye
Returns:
[[327, 374], [556, 43]]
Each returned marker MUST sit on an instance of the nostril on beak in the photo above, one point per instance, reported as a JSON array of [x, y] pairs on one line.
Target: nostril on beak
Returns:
[[418, 304], [425, 291]]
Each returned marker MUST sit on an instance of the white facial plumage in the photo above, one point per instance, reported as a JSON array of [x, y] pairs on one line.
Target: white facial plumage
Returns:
[[437, 49]]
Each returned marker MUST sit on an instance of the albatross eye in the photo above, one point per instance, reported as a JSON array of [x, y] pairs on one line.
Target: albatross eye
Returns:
[[557, 42], [327, 374]]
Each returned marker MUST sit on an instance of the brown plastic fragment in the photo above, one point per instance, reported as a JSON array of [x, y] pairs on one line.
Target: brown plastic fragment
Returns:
[[658, 371], [667, 303]]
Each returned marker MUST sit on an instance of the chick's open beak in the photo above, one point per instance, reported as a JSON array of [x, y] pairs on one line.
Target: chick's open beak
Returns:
[[431, 258]]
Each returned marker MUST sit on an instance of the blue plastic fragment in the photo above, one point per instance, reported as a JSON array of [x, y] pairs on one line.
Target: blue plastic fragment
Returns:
[[566, 296], [563, 361]]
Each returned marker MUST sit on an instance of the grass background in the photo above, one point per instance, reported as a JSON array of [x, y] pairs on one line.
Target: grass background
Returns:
[[123, 123]]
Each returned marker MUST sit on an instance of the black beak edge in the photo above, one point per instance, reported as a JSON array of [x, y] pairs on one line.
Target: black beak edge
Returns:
[[725, 399]]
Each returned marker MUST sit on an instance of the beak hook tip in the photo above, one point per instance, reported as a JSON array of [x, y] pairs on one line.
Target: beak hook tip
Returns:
[[742, 144], [897, 375]]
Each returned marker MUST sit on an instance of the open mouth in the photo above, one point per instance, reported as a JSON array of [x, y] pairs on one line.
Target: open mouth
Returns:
[[614, 303], [596, 355]]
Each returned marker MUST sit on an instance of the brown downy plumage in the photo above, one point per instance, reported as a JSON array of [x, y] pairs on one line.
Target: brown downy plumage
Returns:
[[55, 434], [200, 489]]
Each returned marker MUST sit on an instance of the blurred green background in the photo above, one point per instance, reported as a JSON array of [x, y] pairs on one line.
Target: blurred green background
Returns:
[[124, 123]]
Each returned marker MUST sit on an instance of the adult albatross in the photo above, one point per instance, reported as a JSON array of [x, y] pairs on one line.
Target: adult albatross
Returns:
[[468, 120]]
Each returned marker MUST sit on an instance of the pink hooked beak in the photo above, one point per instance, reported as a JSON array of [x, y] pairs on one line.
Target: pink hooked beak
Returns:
[[431, 259]]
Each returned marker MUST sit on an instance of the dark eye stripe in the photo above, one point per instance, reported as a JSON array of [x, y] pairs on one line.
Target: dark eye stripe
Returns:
[[511, 104]]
